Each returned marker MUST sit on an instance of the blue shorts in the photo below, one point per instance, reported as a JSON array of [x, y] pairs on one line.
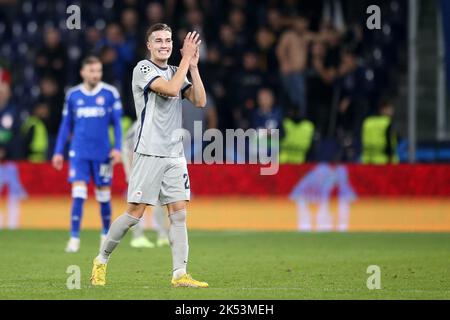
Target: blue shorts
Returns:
[[82, 170]]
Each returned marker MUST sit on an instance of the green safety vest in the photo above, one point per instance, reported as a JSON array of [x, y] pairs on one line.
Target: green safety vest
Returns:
[[297, 141], [374, 141], [125, 124], [39, 141]]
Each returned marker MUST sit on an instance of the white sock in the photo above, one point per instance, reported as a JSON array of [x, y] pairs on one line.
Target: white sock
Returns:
[[178, 242], [178, 273]]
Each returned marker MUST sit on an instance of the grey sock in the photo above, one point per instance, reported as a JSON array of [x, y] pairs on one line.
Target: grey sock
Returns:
[[178, 239], [116, 232], [160, 217]]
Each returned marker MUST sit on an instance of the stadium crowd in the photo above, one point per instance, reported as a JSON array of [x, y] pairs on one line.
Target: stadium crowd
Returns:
[[265, 64]]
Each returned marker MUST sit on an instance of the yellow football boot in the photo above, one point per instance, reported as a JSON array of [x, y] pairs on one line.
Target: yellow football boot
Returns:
[[187, 281], [98, 277]]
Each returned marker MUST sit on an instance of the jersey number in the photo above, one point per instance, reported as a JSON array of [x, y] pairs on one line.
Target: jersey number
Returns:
[[186, 181], [105, 171]]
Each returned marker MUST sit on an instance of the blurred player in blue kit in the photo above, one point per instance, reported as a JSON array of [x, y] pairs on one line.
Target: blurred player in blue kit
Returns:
[[89, 109]]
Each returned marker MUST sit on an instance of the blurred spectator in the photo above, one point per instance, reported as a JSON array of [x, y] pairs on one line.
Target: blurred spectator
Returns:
[[52, 58], [192, 117], [353, 39], [238, 24], [275, 21], [129, 21], [246, 84], [154, 13], [215, 72], [195, 20], [321, 75], [120, 6], [51, 95], [332, 39], [292, 52], [93, 37], [379, 141], [108, 57], [267, 115], [333, 13], [265, 41], [8, 122], [34, 135], [123, 56], [217, 76], [352, 106], [229, 47], [297, 139]]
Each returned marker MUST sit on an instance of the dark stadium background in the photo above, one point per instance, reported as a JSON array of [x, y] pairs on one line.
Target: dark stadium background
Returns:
[[348, 71]]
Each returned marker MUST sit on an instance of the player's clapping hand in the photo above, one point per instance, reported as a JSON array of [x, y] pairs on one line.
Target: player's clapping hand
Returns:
[[194, 60], [115, 157], [190, 45], [58, 161]]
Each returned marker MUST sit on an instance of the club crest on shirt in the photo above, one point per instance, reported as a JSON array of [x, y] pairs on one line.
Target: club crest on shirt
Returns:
[[100, 100]]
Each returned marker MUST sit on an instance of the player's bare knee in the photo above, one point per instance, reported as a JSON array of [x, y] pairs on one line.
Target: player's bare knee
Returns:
[[176, 206], [136, 209], [79, 190], [103, 194]]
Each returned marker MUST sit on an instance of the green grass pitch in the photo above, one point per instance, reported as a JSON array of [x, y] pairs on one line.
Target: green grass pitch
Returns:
[[237, 265]]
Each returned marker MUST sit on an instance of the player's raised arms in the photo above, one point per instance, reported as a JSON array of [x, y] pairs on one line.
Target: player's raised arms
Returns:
[[159, 46]]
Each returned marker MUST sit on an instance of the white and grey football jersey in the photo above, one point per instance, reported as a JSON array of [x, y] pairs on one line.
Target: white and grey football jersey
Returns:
[[158, 115], [129, 141]]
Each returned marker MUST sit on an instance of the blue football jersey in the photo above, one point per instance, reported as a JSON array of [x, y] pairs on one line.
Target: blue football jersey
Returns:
[[88, 115]]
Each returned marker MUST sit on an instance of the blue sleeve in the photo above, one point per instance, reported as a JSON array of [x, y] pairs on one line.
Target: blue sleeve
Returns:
[[116, 120], [64, 128]]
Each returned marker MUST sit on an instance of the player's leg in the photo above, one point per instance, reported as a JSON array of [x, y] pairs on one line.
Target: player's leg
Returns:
[[180, 247], [79, 175], [178, 237], [144, 187], [116, 232], [161, 225], [103, 197], [79, 195], [102, 175], [138, 238], [119, 228], [175, 192]]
